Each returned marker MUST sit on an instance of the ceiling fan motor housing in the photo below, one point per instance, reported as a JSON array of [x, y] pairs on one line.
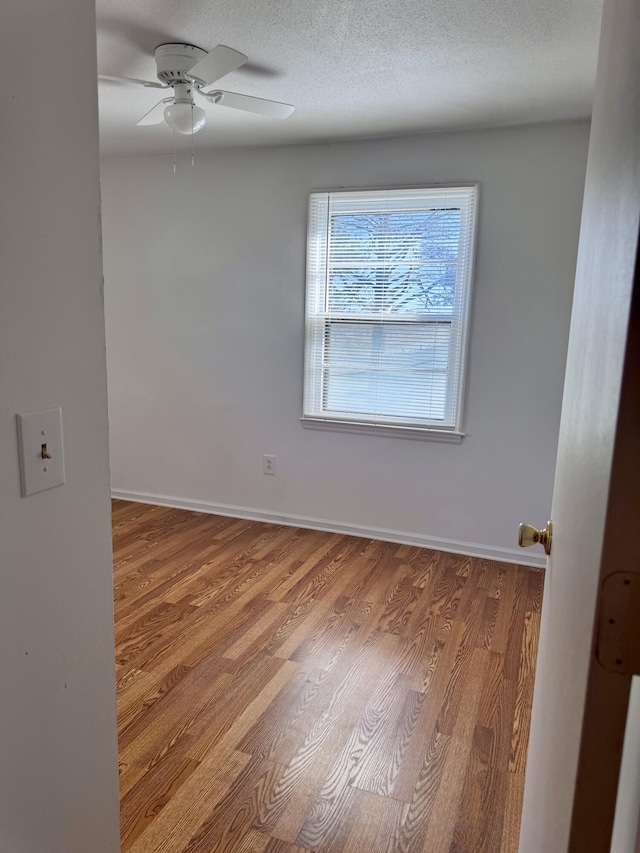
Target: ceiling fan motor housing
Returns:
[[173, 61]]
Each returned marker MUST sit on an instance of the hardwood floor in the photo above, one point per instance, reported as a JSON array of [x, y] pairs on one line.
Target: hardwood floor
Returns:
[[286, 690]]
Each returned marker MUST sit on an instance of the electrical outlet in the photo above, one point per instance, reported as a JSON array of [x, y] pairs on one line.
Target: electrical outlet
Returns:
[[268, 464]]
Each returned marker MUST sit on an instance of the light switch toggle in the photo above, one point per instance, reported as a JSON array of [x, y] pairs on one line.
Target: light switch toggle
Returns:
[[44, 453]]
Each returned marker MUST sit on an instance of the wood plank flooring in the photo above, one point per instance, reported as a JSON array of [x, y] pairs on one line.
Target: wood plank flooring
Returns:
[[284, 690]]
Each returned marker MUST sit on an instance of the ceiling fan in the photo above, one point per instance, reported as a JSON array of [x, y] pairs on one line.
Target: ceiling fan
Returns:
[[186, 70]]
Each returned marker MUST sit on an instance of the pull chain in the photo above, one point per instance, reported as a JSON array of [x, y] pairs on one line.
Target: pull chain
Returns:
[[192, 159], [174, 152]]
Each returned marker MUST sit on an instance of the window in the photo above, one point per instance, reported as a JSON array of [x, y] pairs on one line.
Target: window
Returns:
[[388, 287]]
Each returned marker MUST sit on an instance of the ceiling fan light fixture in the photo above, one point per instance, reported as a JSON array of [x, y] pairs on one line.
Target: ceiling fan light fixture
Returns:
[[185, 118]]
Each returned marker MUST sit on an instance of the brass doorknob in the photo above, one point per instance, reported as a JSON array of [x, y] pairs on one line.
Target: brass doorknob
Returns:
[[529, 535]]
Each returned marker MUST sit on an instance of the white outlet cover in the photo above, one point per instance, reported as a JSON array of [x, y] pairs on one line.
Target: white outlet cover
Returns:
[[36, 429]]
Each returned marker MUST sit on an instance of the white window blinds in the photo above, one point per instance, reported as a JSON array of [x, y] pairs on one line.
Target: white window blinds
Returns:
[[388, 287]]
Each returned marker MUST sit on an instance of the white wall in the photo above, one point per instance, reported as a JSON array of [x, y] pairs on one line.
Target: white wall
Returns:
[[625, 837], [58, 758], [204, 274]]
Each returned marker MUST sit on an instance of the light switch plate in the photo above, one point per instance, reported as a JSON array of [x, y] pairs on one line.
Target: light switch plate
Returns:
[[38, 433]]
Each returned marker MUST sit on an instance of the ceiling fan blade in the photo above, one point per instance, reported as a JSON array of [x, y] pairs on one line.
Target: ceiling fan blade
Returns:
[[260, 106], [148, 83], [218, 62], [155, 114]]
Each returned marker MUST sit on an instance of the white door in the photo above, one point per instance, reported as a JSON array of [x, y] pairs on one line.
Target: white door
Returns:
[[580, 705]]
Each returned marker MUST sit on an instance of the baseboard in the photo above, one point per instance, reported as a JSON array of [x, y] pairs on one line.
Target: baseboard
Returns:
[[470, 549]]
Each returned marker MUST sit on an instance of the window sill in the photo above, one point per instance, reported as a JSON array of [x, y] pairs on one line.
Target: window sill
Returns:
[[410, 432]]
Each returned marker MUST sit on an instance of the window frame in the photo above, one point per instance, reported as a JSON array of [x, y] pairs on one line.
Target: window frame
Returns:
[[317, 317]]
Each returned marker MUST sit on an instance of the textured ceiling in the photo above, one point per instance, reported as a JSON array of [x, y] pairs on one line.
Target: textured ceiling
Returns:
[[355, 67]]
